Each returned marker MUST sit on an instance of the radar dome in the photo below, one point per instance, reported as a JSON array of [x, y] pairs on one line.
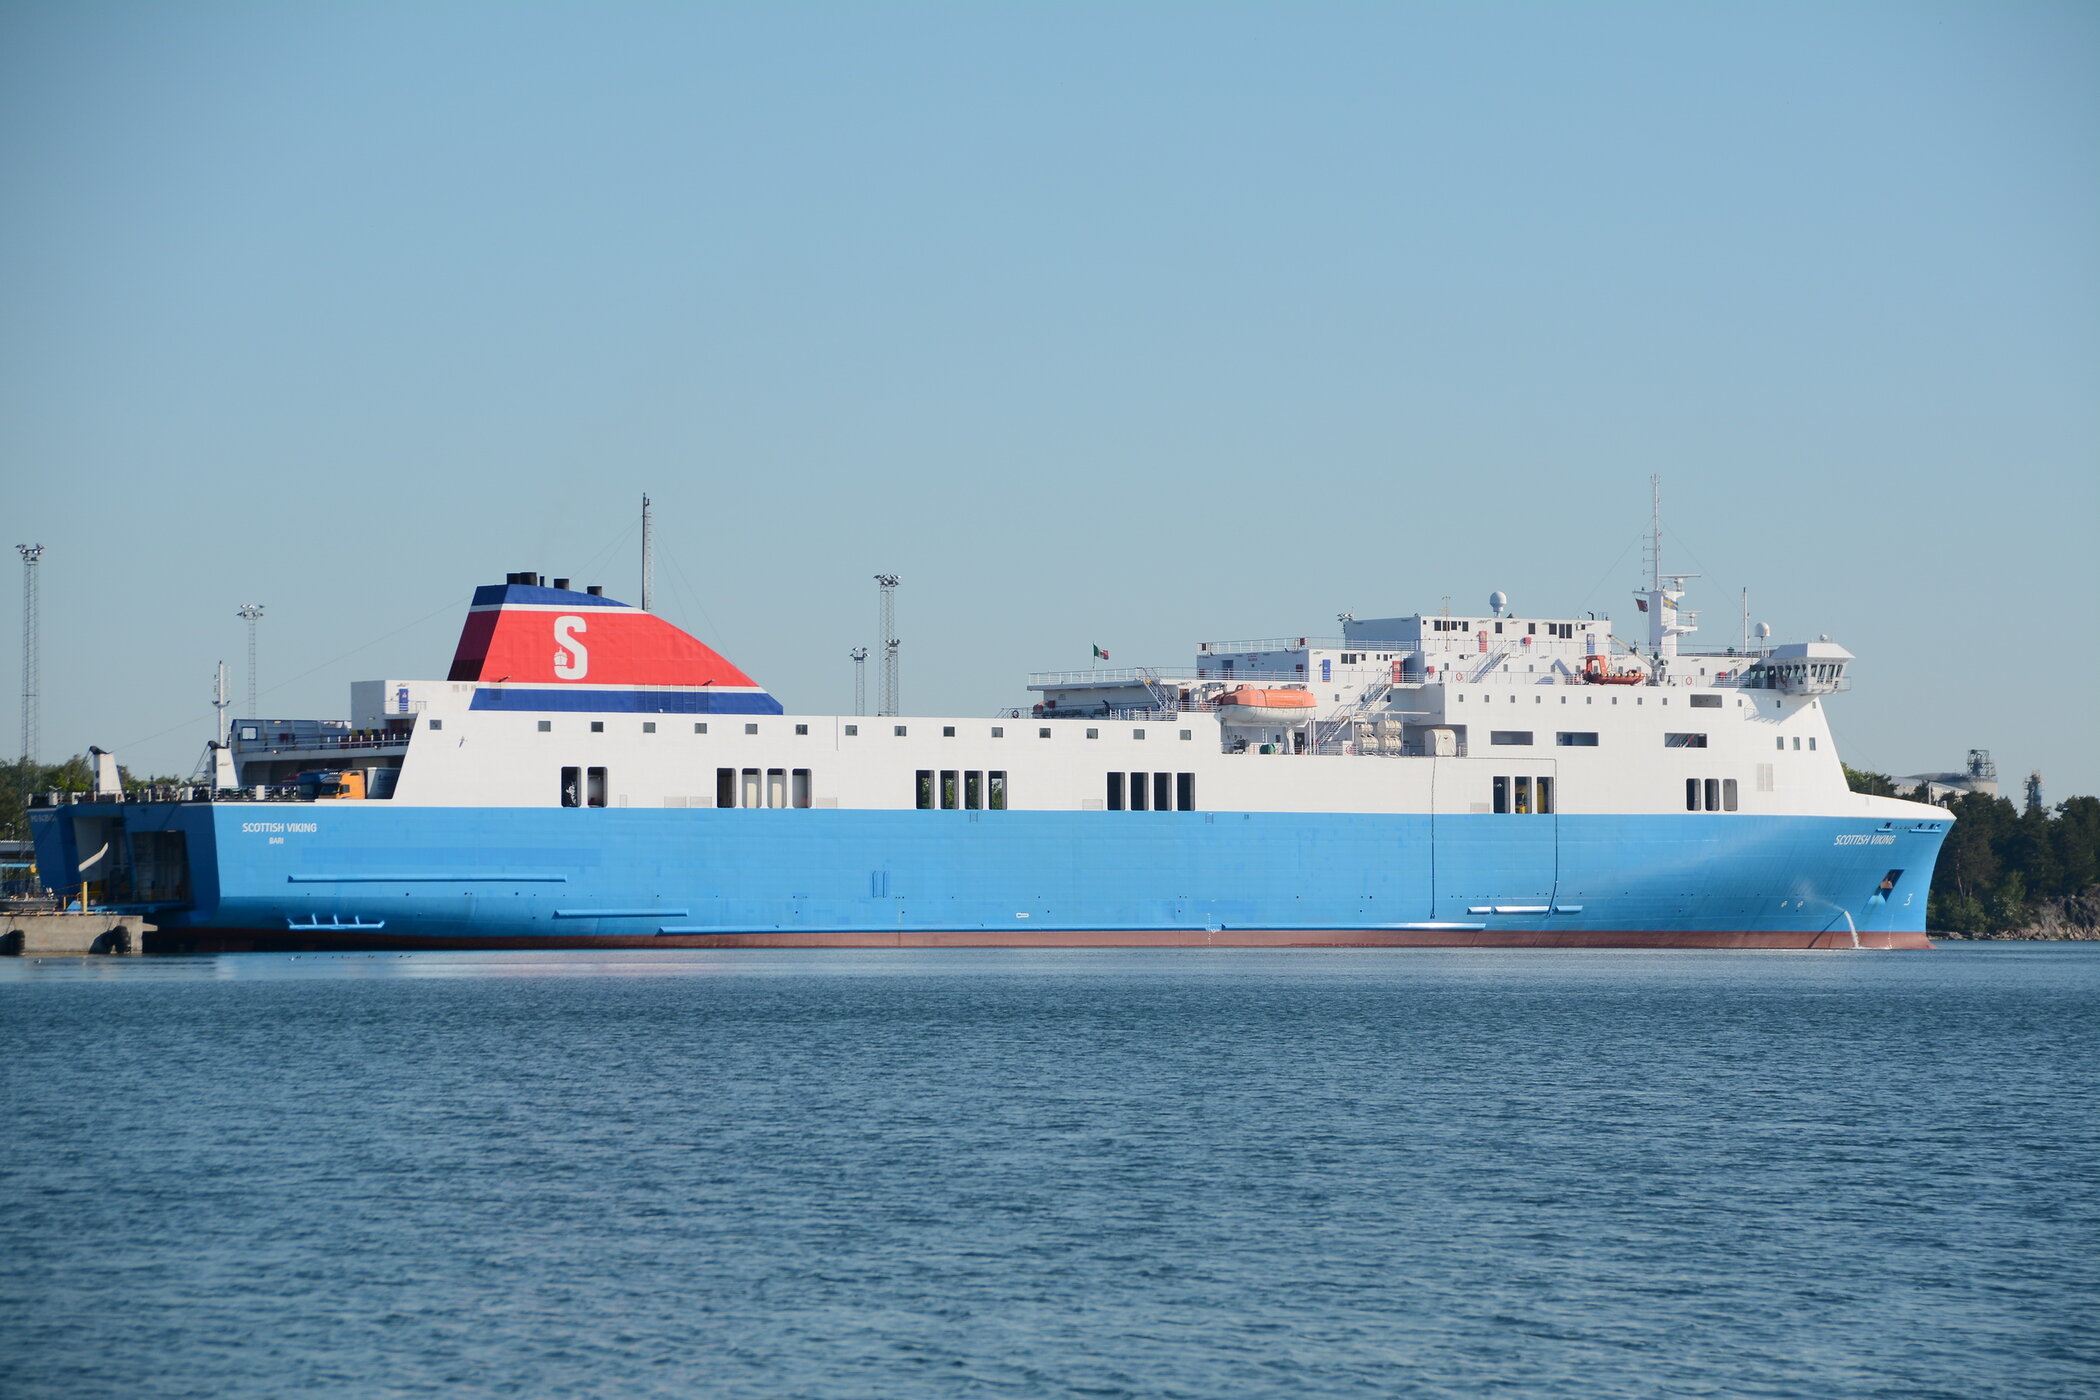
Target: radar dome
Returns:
[[1498, 600], [1764, 629]]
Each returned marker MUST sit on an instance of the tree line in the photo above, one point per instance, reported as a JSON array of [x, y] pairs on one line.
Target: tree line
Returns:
[[2000, 866]]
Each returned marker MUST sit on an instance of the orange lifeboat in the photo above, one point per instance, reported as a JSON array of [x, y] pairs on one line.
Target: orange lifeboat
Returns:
[[1252, 705], [1597, 671]]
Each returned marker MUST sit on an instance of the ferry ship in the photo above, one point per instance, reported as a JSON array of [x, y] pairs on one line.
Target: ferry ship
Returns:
[[588, 774]]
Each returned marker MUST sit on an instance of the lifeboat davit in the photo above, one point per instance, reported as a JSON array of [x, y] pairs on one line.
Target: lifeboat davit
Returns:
[[1253, 705]]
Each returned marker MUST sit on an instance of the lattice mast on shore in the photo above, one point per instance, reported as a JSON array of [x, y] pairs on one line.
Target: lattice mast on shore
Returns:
[[648, 555], [887, 583], [31, 646], [860, 679], [251, 613]]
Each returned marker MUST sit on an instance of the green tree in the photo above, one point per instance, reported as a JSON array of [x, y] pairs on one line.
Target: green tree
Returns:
[[1874, 784]]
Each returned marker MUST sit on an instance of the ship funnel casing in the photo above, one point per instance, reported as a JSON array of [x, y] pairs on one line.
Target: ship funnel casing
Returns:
[[558, 639]]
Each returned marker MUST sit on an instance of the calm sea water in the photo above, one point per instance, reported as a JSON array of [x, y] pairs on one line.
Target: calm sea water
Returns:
[[1084, 1173]]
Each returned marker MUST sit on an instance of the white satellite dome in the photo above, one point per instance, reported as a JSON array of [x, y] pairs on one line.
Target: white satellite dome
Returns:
[[1764, 630], [1499, 601]]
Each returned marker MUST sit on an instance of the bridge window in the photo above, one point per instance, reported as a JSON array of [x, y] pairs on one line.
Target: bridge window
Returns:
[[1576, 739], [1684, 741], [1706, 702], [1518, 737]]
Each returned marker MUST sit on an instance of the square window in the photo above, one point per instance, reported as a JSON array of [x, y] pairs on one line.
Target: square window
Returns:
[[1188, 733], [597, 726], [700, 728], [751, 729], [437, 724], [947, 731], [648, 726], [1137, 733], [1042, 733], [1093, 734], [998, 732], [897, 730], [546, 726], [852, 731], [802, 729]]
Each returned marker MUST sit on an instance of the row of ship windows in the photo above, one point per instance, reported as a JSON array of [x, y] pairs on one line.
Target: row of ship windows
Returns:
[[1587, 739], [966, 790], [1155, 792], [1524, 796], [750, 787], [1709, 794], [1697, 702], [852, 731]]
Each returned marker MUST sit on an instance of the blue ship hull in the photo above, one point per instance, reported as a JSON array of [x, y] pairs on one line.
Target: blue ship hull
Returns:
[[344, 874]]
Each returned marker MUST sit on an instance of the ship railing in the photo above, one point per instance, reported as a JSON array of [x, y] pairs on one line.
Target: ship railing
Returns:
[[1398, 748], [173, 792], [1155, 676], [1097, 712], [1278, 644], [367, 739]]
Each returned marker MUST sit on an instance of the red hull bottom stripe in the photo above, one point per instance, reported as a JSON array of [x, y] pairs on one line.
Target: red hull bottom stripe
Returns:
[[303, 940]]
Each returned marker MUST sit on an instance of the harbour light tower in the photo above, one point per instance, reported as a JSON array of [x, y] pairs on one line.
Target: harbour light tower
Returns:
[[888, 584], [251, 613], [860, 679], [30, 553]]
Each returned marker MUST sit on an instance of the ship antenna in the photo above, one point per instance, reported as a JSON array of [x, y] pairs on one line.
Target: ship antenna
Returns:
[[251, 613], [648, 558], [888, 584], [1655, 531], [220, 702]]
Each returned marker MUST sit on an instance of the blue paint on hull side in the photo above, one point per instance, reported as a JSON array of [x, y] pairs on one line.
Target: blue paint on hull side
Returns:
[[506, 873]]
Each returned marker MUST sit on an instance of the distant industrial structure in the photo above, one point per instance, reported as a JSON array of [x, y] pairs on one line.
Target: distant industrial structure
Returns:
[[1981, 775]]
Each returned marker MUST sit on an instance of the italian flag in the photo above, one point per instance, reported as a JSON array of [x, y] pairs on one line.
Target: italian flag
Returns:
[[1100, 655]]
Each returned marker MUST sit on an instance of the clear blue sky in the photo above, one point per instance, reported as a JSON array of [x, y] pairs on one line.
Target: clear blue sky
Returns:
[[1126, 325]]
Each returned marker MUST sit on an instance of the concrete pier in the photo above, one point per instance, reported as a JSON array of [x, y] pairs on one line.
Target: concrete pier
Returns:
[[60, 935]]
